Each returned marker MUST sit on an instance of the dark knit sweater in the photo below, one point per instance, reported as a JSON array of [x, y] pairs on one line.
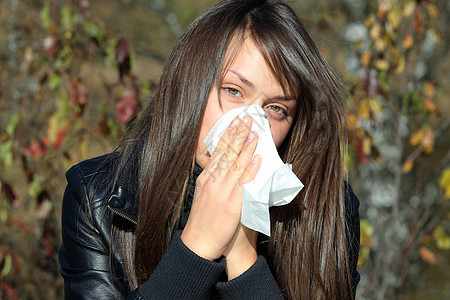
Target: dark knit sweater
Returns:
[[92, 267]]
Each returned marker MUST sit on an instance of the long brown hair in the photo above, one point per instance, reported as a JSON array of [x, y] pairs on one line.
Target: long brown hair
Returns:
[[307, 248]]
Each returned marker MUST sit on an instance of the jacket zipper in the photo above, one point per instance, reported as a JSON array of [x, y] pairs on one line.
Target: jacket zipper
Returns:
[[122, 215]]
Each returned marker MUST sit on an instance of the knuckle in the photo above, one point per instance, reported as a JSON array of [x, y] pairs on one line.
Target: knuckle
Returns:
[[237, 168]]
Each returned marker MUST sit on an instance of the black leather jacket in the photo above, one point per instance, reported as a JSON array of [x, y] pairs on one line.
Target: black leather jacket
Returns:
[[90, 210]]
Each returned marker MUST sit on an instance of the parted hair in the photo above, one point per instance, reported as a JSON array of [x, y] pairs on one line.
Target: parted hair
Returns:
[[307, 247]]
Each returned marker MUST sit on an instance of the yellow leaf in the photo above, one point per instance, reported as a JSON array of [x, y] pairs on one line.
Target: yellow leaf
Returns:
[[364, 110], [363, 256], [430, 106], [409, 8], [352, 122], [429, 89], [400, 65], [366, 233], [427, 255], [365, 58], [382, 64], [7, 263], [429, 149], [408, 42], [428, 138], [395, 16], [375, 106], [384, 7], [441, 238], [375, 31], [444, 183], [407, 166], [367, 145], [416, 137], [380, 44], [53, 126], [433, 10]]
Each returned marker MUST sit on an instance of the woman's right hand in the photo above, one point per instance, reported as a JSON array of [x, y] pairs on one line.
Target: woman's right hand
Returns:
[[216, 209]]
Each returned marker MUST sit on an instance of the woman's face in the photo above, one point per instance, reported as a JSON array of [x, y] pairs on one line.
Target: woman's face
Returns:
[[248, 81]]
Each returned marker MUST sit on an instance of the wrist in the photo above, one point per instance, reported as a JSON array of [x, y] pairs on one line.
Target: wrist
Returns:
[[199, 247], [239, 263]]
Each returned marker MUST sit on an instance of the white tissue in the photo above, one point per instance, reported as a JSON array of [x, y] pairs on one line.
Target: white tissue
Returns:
[[275, 184]]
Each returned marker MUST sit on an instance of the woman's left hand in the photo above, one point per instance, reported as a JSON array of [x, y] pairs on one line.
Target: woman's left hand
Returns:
[[241, 253]]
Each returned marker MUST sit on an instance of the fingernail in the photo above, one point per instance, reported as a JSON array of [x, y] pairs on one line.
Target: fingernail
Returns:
[[247, 120], [234, 123], [255, 159], [251, 137]]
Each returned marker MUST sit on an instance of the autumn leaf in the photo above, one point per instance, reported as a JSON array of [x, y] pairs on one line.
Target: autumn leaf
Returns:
[[364, 110], [427, 255], [418, 21], [37, 148], [441, 238], [429, 89], [444, 183], [382, 64], [430, 106], [407, 166], [416, 137], [400, 64], [409, 8], [127, 106], [122, 55], [433, 10], [366, 233], [428, 140], [365, 58], [408, 42], [395, 16]]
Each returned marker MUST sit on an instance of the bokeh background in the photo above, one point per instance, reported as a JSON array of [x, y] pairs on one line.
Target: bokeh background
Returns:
[[73, 74]]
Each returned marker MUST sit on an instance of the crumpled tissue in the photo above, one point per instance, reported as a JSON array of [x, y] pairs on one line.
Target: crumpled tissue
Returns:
[[274, 185]]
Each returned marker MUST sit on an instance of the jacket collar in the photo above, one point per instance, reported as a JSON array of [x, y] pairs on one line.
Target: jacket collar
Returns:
[[124, 203]]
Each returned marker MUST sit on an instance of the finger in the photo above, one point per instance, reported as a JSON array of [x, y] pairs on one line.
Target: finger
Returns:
[[250, 172], [234, 148], [244, 158], [224, 141]]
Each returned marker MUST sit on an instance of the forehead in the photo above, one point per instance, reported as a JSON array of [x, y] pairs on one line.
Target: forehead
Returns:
[[243, 46]]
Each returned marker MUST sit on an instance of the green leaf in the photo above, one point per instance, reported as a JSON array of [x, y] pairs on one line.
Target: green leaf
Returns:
[[35, 187], [94, 31], [6, 152], [441, 238], [55, 81], [45, 15], [11, 126], [66, 17]]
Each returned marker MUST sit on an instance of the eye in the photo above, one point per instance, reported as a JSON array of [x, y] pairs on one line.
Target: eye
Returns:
[[233, 92], [277, 109]]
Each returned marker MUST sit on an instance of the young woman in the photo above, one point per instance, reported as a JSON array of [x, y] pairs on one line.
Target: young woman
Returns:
[[159, 217]]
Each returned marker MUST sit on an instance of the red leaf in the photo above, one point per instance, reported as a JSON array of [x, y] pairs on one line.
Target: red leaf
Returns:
[[37, 148], [60, 137], [127, 106], [47, 245], [10, 193], [10, 292], [360, 152], [79, 92], [417, 22], [122, 52], [20, 225]]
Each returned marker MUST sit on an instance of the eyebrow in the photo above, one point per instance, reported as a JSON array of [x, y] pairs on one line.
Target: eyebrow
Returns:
[[253, 87], [244, 80]]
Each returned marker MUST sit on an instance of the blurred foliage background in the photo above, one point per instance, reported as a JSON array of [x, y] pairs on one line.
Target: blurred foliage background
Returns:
[[74, 73]]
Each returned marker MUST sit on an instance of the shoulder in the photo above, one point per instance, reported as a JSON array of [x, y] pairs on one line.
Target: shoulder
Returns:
[[85, 178], [351, 202]]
